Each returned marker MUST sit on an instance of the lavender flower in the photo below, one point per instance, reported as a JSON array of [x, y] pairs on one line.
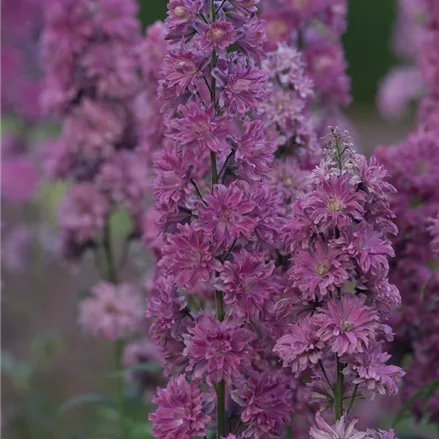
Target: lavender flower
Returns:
[[183, 410]]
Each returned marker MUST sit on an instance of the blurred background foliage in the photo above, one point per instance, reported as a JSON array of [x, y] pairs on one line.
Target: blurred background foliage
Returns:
[[367, 41]]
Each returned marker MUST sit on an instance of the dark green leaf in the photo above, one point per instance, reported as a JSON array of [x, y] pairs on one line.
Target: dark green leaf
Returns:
[[79, 400]]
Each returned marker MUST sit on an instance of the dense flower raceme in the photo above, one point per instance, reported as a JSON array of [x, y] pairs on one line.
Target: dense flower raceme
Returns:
[[220, 221], [101, 78], [403, 84], [414, 168], [315, 28], [338, 236]]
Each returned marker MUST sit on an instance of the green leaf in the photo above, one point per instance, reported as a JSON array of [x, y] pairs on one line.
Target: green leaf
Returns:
[[89, 398], [145, 367], [8, 362], [428, 393], [402, 412]]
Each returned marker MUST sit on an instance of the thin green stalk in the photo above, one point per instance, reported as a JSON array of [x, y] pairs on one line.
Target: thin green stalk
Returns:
[[339, 387], [119, 389], [326, 376], [221, 409], [110, 265], [351, 402]]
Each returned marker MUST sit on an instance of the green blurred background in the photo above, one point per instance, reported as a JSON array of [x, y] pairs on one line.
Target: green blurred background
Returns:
[[366, 41]]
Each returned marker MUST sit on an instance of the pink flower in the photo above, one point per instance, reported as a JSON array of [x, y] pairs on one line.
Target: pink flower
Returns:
[[254, 153], [172, 180], [189, 256], [369, 248], [83, 212], [19, 179], [347, 325], [113, 67], [182, 12], [334, 203], [182, 69], [248, 284], [216, 36], [94, 127], [112, 311], [301, 346], [244, 87], [225, 215], [319, 271], [371, 369], [341, 429], [266, 404], [381, 434], [183, 410], [199, 127], [217, 350]]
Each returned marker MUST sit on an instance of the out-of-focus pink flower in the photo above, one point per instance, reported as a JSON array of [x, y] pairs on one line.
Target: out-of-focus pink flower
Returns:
[[19, 178], [112, 312]]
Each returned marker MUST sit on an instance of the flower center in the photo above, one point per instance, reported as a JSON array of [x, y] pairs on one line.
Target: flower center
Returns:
[[241, 85], [221, 346], [179, 11], [322, 269], [345, 325], [335, 205], [217, 34]]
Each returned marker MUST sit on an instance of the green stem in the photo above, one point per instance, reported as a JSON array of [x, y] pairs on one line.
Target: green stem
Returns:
[[119, 389], [339, 387], [221, 409], [219, 305], [351, 402], [326, 376], [110, 265]]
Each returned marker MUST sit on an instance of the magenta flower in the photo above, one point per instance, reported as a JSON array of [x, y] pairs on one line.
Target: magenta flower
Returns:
[[216, 36], [112, 311], [244, 87], [320, 270], [181, 13], [172, 179], [266, 404], [248, 284], [341, 429], [182, 69], [347, 325], [254, 152], [371, 370], [370, 249], [225, 216], [189, 256], [334, 203], [183, 410], [217, 350], [381, 434], [199, 127], [301, 346], [19, 178], [83, 212]]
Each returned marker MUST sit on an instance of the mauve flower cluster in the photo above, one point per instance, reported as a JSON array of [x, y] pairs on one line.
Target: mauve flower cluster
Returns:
[[338, 297], [100, 74], [403, 84], [219, 219], [22, 21], [414, 166], [315, 27]]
